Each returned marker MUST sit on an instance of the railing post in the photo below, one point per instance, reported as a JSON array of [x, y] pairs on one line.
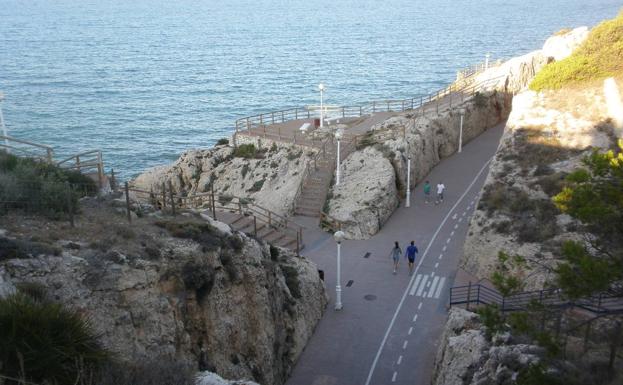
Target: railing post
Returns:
[[113, 182], [296, 113], [172, 199], [282, 117], [78, 162], [469, 292], [255, 226], [272, 117], [388, 109], [298, 246], [239, 207], [279, 130], [308, 114], [248, 125], [360, 111], [70, 204], [373, 107], [301, 235], [100, 170], [403, 105], [478, 294], [269, 219], [164, 196], [213, 201], [615, 345], [343, 113], [127, 202]]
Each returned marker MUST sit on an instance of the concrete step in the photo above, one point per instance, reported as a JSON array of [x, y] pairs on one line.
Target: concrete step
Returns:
[[307, 213]]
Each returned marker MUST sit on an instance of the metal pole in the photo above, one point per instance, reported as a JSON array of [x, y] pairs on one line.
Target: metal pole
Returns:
[[461, 135], [127, 202], [338, 287], [487, 61], [337, 171], [408, 202], [321, 109]]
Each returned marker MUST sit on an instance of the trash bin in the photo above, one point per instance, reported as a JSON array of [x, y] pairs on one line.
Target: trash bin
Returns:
[[317, 122], [321, 274]]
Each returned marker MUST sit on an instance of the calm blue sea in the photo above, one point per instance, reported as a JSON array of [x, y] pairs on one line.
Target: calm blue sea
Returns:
[[146, 79]]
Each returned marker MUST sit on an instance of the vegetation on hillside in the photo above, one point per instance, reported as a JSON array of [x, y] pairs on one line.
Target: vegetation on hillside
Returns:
[[599, 57], [40, 187]]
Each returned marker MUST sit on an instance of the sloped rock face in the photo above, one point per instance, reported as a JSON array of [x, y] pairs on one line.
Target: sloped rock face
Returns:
[[271, 179], [228, 304], [516, 74], [467, 357], [515, 213], [366, 195]]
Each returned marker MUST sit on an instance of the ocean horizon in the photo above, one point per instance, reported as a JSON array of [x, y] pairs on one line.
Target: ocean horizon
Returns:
[[144, 81]]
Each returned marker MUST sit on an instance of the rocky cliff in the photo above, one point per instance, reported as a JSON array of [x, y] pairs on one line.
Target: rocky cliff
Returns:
[[270, 176], [177, 288]]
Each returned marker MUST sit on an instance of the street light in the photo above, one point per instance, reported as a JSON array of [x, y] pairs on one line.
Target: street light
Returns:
[[408, 203], [338, 136], [487, 60], [339, 237], [462, 112], [321, 88]]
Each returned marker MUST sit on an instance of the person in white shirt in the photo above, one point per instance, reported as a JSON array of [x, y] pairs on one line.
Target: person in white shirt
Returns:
[[440, 189]]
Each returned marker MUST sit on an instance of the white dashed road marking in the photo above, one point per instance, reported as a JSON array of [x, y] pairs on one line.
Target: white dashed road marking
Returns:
[[410, 330], [456, 226], [404, 345], [415, 318], [436, 265], [399, 360], [417, 282], [433, 287], [419, 306], [394, 377], [441, 283]]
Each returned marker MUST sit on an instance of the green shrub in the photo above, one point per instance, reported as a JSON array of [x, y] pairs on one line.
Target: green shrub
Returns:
[[600, 56], [257, 186], [10, 249], [52, 344], [222, 142], [198, 277], [40, 187], [480, 100], [244, 170], [247, 151]]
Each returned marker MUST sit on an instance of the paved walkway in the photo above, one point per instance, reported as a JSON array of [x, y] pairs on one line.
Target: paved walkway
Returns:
[[389, 327]]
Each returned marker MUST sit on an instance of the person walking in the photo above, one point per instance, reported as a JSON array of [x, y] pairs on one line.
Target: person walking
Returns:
[[395, 254], [440, 189], [410, 253], [427, 192]]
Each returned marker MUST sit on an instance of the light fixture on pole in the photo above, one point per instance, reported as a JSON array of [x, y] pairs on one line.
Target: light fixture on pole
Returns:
[[408, 202], [487, 60], [4, 132], [321, 88], [339, 237], [462, 113], [338, 136]]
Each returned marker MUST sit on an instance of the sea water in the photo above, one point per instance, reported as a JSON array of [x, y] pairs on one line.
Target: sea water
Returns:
[[144, 80]]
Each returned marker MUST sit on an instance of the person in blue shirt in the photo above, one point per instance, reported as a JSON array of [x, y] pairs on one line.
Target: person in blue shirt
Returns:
[[410, 253]]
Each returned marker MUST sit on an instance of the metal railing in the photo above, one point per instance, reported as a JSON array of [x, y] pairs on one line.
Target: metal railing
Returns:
[[164, 198], [26, 148], [249, 123], [477, 294]]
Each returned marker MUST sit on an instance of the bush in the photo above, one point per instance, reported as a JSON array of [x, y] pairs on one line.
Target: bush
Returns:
[[10, 249], [222, 142], [198, 277], [205, 234], [40, 187], [257, 186], [52, 344], [600, 56], [480, 100], [247, 151]]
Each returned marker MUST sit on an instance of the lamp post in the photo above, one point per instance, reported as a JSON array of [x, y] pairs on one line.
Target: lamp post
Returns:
[[408, 202], [462, 112], [487, 60], [339, 237], [4, 132], [321, 88], [338, 136]]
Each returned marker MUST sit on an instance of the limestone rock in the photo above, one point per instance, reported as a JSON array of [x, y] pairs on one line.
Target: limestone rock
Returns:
[[515, 74], [561, 46], [238, 310], [366, 195], [6, 286], [269, 180], [209, 378]]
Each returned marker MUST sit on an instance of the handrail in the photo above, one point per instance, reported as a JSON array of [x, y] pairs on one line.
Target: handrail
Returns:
[[478, 294], [94, 162], [49, 150], [247, 123]]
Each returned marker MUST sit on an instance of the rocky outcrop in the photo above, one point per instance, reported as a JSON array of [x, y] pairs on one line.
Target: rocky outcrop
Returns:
[[515, 75], [515, 213], [221, 302], [374, 177], [466, 356], [366, 195], [270, 176], [209, 378]]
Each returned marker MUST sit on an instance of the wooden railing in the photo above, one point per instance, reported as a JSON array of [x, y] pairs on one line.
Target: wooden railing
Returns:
[[88, 162], [25, 148]]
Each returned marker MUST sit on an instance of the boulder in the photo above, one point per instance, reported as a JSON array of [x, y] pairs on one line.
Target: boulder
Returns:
[[209, 378], [366, 195], [560, 46]]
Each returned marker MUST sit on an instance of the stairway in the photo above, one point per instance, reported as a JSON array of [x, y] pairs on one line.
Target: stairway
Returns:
[[315, 187]]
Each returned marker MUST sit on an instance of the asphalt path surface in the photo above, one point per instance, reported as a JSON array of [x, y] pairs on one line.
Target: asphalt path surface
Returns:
[[389, 328]]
